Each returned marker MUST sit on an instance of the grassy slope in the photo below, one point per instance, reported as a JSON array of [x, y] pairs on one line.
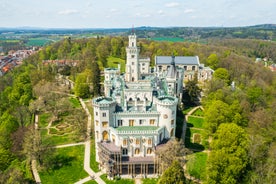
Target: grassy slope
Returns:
[[70, 168]]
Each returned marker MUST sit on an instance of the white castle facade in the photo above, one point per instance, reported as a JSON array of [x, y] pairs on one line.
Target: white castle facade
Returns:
[[137, 113]]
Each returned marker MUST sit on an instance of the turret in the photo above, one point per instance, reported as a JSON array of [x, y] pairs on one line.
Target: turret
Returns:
[[132, 64]]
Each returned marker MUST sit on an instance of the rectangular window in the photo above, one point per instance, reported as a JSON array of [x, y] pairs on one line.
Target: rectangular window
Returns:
[[140, 122], [152, 122], [149, 141], [105, 124], [172, 122], [96, 113], [120, 122], [137, 141], [131, 122], [132, 56], [104, 114], [97, 123]]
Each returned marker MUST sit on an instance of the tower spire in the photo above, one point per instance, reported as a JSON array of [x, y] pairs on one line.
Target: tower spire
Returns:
[[132, 29]]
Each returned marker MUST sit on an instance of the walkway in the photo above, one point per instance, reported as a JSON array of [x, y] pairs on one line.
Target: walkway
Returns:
[[92, 174], [34, 168]]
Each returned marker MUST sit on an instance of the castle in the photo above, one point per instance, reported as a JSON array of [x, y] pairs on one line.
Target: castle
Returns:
[[137, 113]]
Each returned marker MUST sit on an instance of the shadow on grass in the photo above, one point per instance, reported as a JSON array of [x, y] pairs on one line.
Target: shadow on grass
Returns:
[[189, 144], [59, 161]]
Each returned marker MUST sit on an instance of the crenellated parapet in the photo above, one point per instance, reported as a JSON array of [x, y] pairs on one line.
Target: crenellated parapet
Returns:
[[103, 101], [166, 101]]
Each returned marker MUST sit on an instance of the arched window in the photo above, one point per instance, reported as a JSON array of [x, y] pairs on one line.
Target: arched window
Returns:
[[137, 141], [149, 151], [130, 99], [149, 141], [125, 142], [137, 151], [172, 132], [105, 135], [97, 134], [113, 138]]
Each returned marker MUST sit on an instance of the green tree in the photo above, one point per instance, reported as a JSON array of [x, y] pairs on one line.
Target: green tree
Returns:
[[81, 86], [222, 74], [216, 113], [173, 175], [192, 90], [228, 159], [96, 86], [212, 61]]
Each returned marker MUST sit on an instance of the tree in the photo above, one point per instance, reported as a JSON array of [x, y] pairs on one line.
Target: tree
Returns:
[[228, 159], [81, 86], [216, 113], [222, 74], [177, 152], [192, 90], [212, 61], [96, 86], [173, 175]]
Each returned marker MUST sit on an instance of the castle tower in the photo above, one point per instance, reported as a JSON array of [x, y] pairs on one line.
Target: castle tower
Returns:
[[167, 107], [132, 63]]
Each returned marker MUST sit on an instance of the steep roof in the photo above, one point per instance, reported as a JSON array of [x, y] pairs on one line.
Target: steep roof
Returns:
[[179, 60]]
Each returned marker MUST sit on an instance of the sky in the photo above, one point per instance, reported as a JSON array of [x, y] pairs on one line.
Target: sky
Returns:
[[128, 13]]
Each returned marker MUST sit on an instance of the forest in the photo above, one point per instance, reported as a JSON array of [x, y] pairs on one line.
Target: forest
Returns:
[[240, 118]]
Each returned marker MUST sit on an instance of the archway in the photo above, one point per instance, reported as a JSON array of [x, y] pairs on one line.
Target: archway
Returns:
[[105, 135]]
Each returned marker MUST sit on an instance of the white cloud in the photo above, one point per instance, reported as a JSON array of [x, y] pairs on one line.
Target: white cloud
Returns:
[[68, 12], [142, 15], [172, 4], [113, 10], [161, 12], [189, 11]]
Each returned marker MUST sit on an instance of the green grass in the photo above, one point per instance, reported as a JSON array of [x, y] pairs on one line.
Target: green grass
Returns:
[[91, 182], [113, 62], [189, 139], [150, 180], [44, 119], [195, 122], [187, 110], [93, 164], [121, 181], [198, 112], [75, 102], [168, 39], [196, 165], [37, 42], [69, 166]]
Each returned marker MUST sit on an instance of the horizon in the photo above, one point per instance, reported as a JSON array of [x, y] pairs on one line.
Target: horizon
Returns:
[[90, 14], [87, 28]]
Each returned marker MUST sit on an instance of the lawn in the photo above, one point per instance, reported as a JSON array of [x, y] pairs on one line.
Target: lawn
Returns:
[[150, 180], [93, 164], [198, 112], [44, 120], [68, 166], [189, 139], [37, 42], [196, 165], [75, 102], [120, 181], [195, 122], [113, 62]]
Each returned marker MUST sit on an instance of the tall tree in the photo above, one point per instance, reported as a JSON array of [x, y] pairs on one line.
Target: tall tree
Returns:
[[173, 175], [228, 159]]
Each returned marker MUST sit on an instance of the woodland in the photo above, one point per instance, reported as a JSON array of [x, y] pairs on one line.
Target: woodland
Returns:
[[240, 118]]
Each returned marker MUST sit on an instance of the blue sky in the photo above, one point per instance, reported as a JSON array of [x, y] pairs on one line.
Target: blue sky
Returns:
[[125, 13]]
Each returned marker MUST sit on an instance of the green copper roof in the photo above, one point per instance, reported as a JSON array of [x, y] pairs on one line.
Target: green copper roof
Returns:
[[137, 128]]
